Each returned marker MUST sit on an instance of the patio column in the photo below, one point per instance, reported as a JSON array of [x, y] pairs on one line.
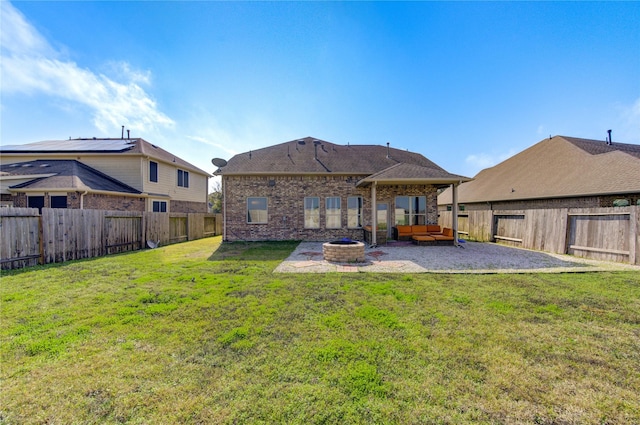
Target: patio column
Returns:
[[454, 216], [374, 215]]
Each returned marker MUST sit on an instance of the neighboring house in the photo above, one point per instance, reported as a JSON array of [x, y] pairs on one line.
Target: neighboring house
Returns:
[[111, 174], [559, 172], [310, 189]]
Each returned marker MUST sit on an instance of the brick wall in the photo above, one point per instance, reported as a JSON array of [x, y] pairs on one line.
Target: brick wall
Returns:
[[188, 207], [285, 199], [20, 200], [94, 201]]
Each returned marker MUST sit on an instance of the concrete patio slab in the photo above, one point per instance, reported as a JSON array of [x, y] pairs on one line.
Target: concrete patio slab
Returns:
[[472, 257]]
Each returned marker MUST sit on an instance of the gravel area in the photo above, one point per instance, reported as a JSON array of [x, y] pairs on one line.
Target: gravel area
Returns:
[[470, 257]]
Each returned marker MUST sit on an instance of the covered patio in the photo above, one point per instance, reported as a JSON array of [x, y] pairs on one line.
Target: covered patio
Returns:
[[407, 176]]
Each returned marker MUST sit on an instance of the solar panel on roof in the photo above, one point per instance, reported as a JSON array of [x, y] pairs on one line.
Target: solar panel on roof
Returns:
[[85, 145]]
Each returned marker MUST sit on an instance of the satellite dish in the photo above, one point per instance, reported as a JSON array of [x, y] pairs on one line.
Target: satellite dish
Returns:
[[218, 162]]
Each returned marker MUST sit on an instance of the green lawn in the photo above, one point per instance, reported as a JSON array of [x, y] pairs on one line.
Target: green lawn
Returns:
[[204, 333]]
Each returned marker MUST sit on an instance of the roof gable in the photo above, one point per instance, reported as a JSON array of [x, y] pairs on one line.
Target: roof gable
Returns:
[[556, 167]]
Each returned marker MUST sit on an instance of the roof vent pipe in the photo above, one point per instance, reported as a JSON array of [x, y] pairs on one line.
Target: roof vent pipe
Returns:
[[128, 137], [387, 150], [122, 135], [609, 141], [315, 148]]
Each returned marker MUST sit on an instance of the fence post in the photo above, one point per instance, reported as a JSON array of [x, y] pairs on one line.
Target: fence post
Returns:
[[567, 233], [633, 234]]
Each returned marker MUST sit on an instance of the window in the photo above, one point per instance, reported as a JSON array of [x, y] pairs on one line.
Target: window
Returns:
[[257, 210], [153, 171], [159, 206], [183, 178], [411, 210], [354, 211], [312, 213], [36, 202], [333, 210], [58, 202]]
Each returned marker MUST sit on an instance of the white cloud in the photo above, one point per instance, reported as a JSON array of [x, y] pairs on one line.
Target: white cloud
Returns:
[[480, 161], [29, 65], [629, 130]]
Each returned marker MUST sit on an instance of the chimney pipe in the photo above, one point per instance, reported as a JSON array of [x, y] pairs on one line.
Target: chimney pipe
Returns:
[[609, 140], [122, 135]]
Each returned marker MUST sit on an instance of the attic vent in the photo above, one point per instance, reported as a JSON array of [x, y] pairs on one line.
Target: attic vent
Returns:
[[156, 147], [44, 165], [301, 142], [27, 165], [14, 165]]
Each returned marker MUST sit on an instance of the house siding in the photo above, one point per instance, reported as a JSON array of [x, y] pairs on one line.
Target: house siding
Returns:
[[285, 205], [167, 184]]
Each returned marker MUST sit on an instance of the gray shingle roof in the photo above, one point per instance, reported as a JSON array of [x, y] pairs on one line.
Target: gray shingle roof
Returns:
[[556, 168], [314, 156], [63, 174], [596, 147]]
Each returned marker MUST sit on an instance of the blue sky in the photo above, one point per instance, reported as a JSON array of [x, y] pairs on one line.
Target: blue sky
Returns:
[[467, 84]]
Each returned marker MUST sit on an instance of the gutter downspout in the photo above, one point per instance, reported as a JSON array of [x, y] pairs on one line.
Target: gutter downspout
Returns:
[[82, 199]]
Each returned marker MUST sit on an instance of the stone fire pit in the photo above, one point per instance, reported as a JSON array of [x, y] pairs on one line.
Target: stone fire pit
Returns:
[[343, 251]]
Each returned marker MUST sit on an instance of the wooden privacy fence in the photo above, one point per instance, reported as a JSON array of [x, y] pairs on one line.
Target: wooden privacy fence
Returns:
[[57, 235], [609, 234]]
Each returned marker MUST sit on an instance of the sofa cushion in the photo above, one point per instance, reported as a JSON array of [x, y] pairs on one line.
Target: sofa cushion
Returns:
[[433, 228], [419, 230], [404, 230]]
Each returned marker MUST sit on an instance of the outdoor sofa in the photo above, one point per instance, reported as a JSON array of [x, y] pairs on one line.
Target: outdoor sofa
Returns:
[[406, 233], [427, 234]]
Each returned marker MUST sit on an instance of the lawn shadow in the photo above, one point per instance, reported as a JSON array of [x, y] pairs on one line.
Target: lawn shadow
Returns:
[[254, 251]]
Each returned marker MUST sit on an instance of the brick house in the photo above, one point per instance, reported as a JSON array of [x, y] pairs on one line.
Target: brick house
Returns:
[[113, 174], [310, 189], [558, 172]]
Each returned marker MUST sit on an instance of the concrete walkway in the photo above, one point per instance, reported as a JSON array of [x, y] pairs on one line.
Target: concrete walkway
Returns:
[[471, 257]]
